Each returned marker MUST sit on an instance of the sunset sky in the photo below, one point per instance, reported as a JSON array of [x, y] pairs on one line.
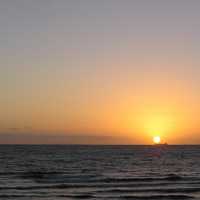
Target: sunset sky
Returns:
[[99, 71]]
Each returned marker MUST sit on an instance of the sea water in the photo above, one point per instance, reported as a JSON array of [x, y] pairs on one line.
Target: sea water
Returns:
[[55, 172]]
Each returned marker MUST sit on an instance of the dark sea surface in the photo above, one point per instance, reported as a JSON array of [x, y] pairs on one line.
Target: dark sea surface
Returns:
[[55, 172]]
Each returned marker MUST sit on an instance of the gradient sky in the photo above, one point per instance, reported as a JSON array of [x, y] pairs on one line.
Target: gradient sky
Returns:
[[92, 70]]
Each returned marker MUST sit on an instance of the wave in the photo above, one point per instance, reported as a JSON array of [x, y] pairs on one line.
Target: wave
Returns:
[[95, 177], [155, 197], [62, 177], [113, 188], [156, 190], [90, 196], [170, 177], [79, 196]]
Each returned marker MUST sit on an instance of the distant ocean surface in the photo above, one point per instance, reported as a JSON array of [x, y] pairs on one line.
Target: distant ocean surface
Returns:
[[56, 172]]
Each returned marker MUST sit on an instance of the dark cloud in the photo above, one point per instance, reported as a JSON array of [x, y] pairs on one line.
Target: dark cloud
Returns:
[[14, 129], [18, 129]]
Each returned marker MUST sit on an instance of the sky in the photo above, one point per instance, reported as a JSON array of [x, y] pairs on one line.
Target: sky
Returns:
[[99, 72]]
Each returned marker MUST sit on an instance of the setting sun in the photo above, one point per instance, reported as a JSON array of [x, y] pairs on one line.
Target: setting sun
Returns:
[[156, 139]]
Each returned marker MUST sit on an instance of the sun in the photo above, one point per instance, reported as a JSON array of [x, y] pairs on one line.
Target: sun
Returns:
[[156, 139]]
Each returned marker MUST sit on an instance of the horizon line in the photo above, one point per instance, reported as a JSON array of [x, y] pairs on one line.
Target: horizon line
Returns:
[[78, 144]]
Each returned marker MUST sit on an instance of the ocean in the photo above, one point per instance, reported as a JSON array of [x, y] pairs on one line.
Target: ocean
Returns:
[[55, 172]]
